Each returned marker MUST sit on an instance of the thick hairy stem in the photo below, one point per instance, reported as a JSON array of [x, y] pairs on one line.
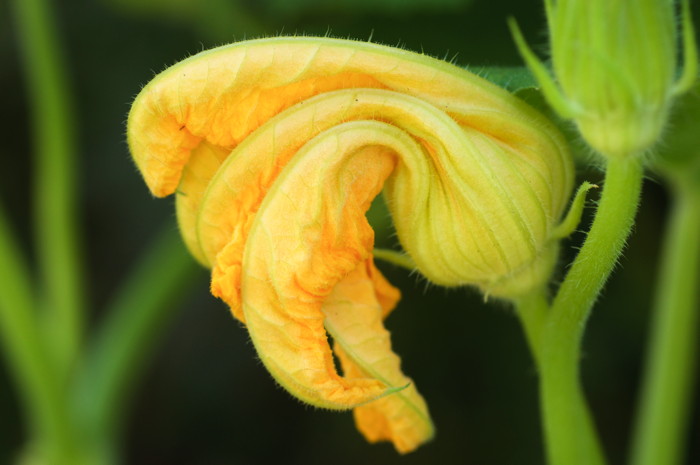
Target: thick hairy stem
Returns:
[[569, 429]]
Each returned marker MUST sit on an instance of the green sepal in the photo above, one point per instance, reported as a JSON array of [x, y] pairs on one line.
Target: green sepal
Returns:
[[395, 258], [573, 217], [511, 78], [550, 89]]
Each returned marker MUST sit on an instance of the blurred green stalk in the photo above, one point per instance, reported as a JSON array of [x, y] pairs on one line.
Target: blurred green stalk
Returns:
[[121, 348], [54, 178], [43, 352], [664, 407], [42, 364], [28, 356]]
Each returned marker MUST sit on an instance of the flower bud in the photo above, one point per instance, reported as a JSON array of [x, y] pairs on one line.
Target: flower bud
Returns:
[[615, 64], [276, 148]]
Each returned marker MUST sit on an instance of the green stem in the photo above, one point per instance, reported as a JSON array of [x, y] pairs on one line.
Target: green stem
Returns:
[[661, 430], [532, 310], [28, 357], [569, 429], [136, 319], [54, 177]]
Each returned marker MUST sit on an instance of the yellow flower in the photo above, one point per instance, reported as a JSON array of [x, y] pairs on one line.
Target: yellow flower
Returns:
[[276, 149]]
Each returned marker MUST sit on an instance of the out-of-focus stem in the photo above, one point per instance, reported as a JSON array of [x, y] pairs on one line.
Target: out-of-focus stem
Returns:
[[54, 178], [664, 408], [135, 321], [28, 357]]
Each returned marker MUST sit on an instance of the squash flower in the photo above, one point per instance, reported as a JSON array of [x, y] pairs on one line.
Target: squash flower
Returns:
[[275, 149]]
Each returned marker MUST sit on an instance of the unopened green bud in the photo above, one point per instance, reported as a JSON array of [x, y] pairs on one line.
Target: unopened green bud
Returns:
[[615, 64]]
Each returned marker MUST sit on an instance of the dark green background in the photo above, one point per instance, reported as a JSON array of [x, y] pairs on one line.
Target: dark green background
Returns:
[[206, 399]]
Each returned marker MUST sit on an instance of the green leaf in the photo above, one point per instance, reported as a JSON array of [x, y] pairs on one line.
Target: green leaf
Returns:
[[511, 78]]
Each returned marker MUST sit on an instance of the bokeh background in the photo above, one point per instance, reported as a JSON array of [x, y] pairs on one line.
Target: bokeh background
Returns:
[[205, 398]]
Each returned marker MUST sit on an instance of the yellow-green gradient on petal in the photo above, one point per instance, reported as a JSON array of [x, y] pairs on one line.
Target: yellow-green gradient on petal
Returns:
[[276, 149]]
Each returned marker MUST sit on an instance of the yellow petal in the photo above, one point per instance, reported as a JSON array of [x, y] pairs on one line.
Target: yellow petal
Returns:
[[204, 161], [308, 235], [354, 312], [235, 193], [226, 93]]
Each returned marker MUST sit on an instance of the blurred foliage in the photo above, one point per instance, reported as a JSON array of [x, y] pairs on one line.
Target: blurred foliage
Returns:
[[679, 157], [512, 78], [215, 19], [212, 19], [207, 399]]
